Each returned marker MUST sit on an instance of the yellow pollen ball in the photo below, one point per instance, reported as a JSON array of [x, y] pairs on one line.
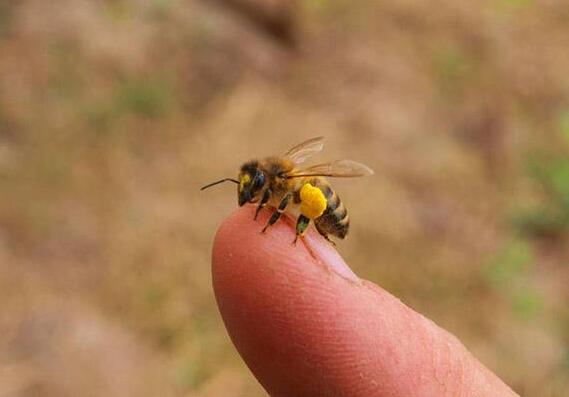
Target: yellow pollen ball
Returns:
[[312, 201]]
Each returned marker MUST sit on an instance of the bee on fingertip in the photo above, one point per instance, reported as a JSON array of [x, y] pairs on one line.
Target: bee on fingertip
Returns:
[[280, 182]]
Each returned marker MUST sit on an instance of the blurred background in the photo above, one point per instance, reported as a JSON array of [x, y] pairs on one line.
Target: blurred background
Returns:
[[114, 113]]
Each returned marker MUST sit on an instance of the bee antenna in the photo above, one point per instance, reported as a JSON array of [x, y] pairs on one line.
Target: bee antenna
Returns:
[[220, 181]]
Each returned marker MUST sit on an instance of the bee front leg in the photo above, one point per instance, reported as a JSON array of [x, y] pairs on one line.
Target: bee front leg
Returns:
[[263, 202], [277, 214], [301, 225]]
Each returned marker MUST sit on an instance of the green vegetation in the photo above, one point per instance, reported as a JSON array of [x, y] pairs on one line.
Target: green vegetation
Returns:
[[549, 216], [514, 261]]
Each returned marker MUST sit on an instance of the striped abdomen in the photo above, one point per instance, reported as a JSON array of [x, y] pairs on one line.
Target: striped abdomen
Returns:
[[335, 219]]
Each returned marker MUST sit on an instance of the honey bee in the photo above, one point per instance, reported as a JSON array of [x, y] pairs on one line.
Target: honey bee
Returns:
[[279, 182]]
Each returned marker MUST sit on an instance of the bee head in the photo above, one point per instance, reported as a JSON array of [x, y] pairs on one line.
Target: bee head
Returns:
[[251, 182]]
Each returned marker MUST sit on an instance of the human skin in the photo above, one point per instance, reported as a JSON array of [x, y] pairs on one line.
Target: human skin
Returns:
[[306, 325]]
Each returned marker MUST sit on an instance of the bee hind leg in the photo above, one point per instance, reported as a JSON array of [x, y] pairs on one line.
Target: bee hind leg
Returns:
[[328, 239], [301, 225], [323, 233], [277, 214]]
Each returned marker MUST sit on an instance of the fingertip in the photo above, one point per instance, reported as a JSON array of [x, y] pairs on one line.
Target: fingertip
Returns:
[[275, 299], [305, 328]]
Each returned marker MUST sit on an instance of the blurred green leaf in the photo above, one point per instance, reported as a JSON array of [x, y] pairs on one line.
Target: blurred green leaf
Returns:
[[100, 117], [563, 125], [118, 10], [514, 259], [510, 274], [145, 97], [565, 361], [316, 6], [514, 4], [451, 66], [542, 221], [191, 373], [560, 180], [550, 216], [527, 303], [551, 171], [65, 78], [161, 8], [155, 295]]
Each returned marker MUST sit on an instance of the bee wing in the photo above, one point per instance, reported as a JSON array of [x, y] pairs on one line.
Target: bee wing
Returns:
[[301, 152], [339, 168]]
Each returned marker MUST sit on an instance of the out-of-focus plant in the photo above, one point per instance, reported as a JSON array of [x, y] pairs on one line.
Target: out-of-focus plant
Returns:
[[452, 67], [512, 261], [144, 97], [148, 99], [510, 274], [549, 217], [514, 4]]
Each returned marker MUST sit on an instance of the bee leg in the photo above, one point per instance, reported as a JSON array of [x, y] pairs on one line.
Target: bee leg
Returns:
[[329, 240], [324, 234], [277, 214], [301, 225], [263, 202]]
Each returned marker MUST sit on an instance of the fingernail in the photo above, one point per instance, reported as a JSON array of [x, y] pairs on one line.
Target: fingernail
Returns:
[[328, 255]]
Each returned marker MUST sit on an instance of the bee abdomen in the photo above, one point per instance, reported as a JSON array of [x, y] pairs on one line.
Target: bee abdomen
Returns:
[[335, 219]]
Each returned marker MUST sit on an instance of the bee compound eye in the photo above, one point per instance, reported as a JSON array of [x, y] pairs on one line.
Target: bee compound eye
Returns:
[[259, 180]]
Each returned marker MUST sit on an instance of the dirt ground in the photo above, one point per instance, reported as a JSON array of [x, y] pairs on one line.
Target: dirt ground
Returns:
[[114, 113]]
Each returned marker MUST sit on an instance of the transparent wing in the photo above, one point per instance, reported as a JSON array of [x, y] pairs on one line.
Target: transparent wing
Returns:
[[301, 152], [339, 168]]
